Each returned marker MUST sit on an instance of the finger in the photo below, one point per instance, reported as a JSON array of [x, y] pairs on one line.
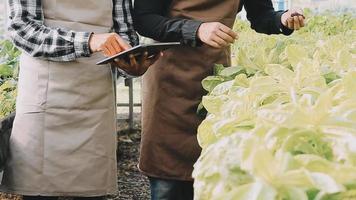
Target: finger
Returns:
[[301, 21], [108, 46], [290, 23], [228, 31], [111, 48], [225, 37], [144, 57], [296, 23], [116, 45], [105, 51], [221, 42], [297, 12], [300, 11], [213, 44], [133, 62], [122, 64], [145, 62], [123, 44]]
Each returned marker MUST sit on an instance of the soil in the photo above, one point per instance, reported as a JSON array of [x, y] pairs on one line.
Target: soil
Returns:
[[132, 184]]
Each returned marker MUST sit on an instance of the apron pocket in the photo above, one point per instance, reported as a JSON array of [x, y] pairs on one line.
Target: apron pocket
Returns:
[[33, 84]]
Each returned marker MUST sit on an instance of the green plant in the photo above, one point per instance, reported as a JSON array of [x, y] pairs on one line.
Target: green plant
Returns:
[[282, 121], [9, 65]]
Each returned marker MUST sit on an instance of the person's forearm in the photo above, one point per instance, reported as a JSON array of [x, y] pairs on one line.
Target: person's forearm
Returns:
[[264, 19], [150, 21], [270, 23], [28, 33], [158, 28], [167, 30]]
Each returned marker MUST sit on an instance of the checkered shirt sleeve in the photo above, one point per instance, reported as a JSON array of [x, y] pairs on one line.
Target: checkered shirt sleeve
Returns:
[[27, 30]]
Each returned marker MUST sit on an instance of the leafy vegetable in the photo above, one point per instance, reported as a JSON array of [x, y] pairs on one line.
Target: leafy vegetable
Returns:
[[9, 57], [282, 124]]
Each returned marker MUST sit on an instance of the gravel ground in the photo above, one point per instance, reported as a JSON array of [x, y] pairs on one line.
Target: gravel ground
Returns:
[[132, 184]]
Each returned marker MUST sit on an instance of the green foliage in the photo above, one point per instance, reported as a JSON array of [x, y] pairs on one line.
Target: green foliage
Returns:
[[9, 64], [282, 122]]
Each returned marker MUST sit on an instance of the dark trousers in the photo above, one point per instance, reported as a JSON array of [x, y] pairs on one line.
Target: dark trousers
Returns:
[[56, 198], [171, 189]]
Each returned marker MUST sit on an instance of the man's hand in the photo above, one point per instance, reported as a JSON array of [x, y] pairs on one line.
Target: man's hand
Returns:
[[293, 19], [216, 34], [135, 68], [108, 43]]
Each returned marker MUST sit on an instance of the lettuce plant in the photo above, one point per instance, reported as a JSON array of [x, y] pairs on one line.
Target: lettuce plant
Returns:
[[281, 122]]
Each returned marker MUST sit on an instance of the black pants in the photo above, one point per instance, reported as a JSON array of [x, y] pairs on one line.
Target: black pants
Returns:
[[171, 189], [56, 198]]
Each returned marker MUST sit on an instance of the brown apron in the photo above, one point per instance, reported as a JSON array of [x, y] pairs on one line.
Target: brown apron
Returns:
[[172, 92], [64, 137]]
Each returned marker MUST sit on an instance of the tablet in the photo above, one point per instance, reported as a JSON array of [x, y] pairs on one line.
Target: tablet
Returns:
[[137, 51]]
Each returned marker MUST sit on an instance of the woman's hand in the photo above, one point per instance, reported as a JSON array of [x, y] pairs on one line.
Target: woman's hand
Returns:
[[137, 68], [108, 43], [293, 19]]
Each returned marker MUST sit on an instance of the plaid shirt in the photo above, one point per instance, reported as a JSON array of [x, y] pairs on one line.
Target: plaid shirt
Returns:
[[28, 32]]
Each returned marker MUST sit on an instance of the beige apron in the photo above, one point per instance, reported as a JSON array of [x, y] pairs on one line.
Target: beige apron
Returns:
[[172, 92], [64, 137]]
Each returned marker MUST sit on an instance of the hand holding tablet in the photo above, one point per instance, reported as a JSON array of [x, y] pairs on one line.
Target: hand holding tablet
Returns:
[[139, 51], [136, 61], [136, 66], [108, 43]]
